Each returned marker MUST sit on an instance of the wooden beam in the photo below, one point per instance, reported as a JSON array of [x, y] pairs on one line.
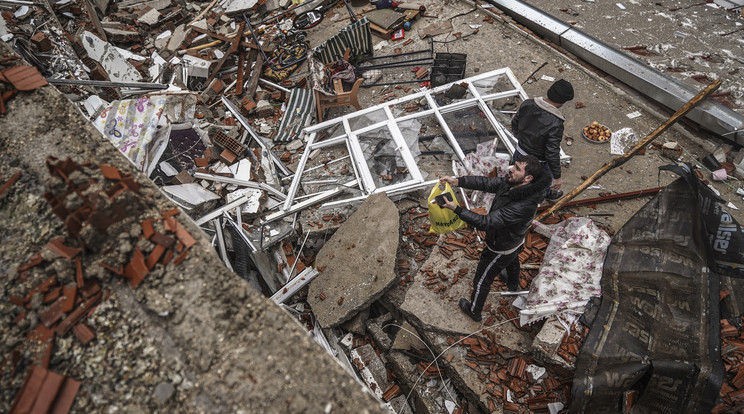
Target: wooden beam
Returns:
[[250, 89], [616, 162], [229, 38], [233, 48], [241, 64], [606, 199]]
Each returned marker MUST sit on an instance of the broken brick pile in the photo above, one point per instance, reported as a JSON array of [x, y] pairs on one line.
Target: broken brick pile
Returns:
[[732, 354], [63, 296], [45, 392], [504, 372]]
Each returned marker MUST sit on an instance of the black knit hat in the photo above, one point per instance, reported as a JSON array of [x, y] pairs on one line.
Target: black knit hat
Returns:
[[561, 91]]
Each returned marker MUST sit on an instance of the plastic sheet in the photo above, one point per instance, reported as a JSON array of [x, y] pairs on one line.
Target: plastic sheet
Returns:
[[656, 333]]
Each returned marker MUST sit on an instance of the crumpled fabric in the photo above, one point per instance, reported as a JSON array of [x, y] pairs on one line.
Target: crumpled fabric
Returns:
[[132, 125], [343, 70], [570, 273]]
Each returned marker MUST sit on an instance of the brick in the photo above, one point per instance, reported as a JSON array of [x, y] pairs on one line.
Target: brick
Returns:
[[119, 271], [136, 269], [184, 236], [110, 172], [42, 42], [83, 333], [228, 157], [69, 293], [66, 396], [247, 105], [77, 314], [33, 261], [57, 246], [180, 257], [163, 239], [147, 229], [201, 162], [49, 389], [29, 390], [54, 313], [154, 256], [53, 295], [90, 289], [182, 177], [79, 273]]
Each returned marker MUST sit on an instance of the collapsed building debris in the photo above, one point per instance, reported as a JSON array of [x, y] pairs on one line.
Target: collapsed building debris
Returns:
[[286, 208]]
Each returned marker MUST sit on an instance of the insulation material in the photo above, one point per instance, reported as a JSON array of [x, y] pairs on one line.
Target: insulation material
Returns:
[[656, 332], [571, 271]]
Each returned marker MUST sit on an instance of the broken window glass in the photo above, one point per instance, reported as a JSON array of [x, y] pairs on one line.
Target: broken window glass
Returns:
[[386, 165], [470, 127]]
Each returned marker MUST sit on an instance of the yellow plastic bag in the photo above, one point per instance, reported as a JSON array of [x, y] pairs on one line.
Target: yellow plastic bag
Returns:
[[443, 220]]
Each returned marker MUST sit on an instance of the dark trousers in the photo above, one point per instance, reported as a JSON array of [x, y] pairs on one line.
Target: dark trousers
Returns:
[[490, 265]]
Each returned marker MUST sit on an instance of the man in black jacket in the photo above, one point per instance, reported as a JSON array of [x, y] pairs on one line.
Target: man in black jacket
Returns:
[[538, 127], [517, 196]]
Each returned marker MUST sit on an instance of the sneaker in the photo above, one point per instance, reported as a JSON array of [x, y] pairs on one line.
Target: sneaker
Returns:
[[554, 195], [513, 288], [465, 308]]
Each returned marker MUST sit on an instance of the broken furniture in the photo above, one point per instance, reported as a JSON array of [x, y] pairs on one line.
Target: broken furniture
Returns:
[[337, 96], [356, 36]]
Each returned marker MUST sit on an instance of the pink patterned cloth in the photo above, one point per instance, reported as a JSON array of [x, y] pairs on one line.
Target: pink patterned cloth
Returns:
[[570, 272], [131, 125]]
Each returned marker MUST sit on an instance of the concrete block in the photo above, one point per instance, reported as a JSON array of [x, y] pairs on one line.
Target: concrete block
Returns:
[[549, 338]]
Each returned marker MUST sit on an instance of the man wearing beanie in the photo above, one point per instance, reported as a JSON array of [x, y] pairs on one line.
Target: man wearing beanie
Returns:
[[538, 127]]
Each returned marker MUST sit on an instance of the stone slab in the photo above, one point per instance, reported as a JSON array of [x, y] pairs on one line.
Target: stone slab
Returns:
[[357, 263]]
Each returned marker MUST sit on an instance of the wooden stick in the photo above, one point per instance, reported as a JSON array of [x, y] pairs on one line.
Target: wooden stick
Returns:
[[250, 90], [233, 48], [241, 63], [692, 103]]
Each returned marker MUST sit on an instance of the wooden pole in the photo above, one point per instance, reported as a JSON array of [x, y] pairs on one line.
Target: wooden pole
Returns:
[[692, 103]]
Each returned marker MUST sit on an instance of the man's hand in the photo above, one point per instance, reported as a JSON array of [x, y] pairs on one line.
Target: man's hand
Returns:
[[453, 181], [557, 183], [449, 204]]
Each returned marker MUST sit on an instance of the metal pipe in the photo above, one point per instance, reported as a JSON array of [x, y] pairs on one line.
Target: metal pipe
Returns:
[[275, 86], [106, 84]]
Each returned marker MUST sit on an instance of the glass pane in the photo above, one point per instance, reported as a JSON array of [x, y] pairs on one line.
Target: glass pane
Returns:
[[370, 118], [332, 131], [384, 161], [330, 167], [470, 127], [503, 109], [493, 84]]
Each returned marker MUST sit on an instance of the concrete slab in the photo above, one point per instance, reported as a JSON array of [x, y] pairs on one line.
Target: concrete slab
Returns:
[[357, 263], [376, 377], [439, 312], [108, 55], [423, 399]]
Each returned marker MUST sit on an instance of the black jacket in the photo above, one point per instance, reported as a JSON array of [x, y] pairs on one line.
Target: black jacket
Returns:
[[511, 212], [539, 132]]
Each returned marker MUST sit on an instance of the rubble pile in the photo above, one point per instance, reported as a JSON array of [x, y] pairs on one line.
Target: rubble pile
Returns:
[[190, 93], [58, 289]]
